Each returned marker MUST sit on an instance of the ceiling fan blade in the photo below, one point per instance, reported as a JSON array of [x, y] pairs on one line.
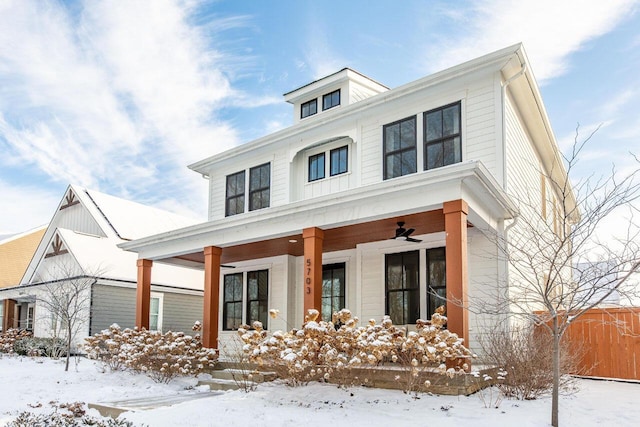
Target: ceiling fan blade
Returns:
[[408, 232], [411, 239]]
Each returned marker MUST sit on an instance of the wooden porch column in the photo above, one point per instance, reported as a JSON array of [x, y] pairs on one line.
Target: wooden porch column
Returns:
[[211, 296], [455, 227], [313, 238], [143, 293], [9, 314]]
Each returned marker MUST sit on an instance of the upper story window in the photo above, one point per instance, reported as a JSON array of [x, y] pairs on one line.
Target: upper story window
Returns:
[[235, 194], [339, 159], [316, 167], [442, 137], [309, 108], [400, 148], [259, 186], [331, 100]]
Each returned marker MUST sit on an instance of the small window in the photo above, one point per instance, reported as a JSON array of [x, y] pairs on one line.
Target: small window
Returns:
[[402, 287], [155, 312], [309, 108], [259, 186], [1, 314], [331, 100], [232, 308], [400, 156], [235, 194], [333, 289], [339, 159], [442, 137], [257, 297], [316, 167]]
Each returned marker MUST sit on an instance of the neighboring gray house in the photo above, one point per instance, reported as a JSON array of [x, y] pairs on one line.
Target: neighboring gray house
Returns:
[[82, 239]]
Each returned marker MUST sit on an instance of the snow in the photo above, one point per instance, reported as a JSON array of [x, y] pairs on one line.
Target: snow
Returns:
[[29, 382]]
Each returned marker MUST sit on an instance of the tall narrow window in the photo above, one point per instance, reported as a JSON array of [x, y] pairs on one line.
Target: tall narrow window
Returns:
[[331, 100], [155, 312], [333, 289], [235, 194], [339, 158], [309, 108], [257, 297], [232, 306], [400, 148], [402, 287], [436, 280], [259, 186], [30, 312], [442, 137], [316, 167], [1, 314]]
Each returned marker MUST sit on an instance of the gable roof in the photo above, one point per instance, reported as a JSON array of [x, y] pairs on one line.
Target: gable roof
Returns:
[[90, 225], [15, 254]]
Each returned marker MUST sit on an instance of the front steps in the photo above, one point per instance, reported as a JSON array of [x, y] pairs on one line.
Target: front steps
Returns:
[[235, 376]]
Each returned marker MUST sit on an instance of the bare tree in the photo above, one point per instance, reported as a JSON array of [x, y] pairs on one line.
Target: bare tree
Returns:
[[68, 299], [561, 259]]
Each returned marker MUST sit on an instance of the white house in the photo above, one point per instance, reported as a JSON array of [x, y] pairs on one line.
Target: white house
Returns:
[[80, 247], [375, 199]]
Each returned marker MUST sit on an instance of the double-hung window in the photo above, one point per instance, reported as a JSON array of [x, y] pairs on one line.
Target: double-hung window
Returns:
[[400, 148], [259, 186], [245, 299], [333, 289], [316, 167], [235, 194], [331, 100], [308, 108], [403, 287], [155, 312], [442, 137], [339, 160]]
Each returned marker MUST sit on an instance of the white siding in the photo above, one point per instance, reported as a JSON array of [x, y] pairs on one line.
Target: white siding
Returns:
[[78, 219]]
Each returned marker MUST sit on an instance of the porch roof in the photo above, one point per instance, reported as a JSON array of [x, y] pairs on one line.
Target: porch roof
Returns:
[[363, 214]]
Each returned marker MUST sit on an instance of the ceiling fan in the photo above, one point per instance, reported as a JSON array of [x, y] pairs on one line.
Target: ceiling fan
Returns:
[[403, 233]]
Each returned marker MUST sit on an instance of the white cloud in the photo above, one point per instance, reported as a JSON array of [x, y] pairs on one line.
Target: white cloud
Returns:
[[25, 207], [118, 97], [549, 29]]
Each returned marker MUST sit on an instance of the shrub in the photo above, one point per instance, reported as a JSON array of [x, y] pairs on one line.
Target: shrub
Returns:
[[9, 337], [318, 349], [162, 356], [65, 415], [31, 346], [527, 358]]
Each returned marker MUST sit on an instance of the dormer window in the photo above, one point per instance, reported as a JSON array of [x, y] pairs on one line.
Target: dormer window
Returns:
[[331, 100], [309, 108]]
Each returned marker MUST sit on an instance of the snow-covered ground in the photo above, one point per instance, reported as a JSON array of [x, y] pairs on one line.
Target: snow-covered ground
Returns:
[[28, 383]]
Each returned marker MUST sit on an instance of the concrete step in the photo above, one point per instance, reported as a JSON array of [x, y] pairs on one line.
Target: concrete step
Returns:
[[114, 408], [218, 384], [242, 375]]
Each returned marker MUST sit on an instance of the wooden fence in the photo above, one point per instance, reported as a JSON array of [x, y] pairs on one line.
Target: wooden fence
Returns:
[[609, 339]]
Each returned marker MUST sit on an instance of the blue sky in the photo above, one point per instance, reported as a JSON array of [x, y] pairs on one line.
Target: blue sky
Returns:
[[121, 96]]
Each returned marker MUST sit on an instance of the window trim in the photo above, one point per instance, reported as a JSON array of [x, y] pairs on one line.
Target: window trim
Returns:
[[225, 327], [443, 139], [236, 196], [244, 298], [318, 170], [330, 97], [259, 189], [308, 103], [344, 148], [400, 151]]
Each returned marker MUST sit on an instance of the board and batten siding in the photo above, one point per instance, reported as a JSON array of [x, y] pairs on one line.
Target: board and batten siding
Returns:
[[117, 304], [78, 219]]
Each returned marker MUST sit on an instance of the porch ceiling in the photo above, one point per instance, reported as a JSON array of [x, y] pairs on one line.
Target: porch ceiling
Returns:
[[335, 239]]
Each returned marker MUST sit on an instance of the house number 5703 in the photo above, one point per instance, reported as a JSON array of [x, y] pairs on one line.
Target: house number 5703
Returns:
[[307, 279]]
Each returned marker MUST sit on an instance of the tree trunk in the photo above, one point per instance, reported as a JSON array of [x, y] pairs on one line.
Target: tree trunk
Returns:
[[556, 374], [66, 367]]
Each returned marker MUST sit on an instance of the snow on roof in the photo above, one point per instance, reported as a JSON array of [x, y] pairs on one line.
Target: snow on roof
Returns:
[[100, 255], [131, 220]]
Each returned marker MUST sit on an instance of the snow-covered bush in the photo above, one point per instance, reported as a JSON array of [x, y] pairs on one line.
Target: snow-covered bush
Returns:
[[9, 337], [319, 349], [32, 346], [161, 356], [65, 415]]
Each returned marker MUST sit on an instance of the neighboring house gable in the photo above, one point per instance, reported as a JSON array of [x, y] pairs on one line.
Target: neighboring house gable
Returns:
[[16, 253]]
